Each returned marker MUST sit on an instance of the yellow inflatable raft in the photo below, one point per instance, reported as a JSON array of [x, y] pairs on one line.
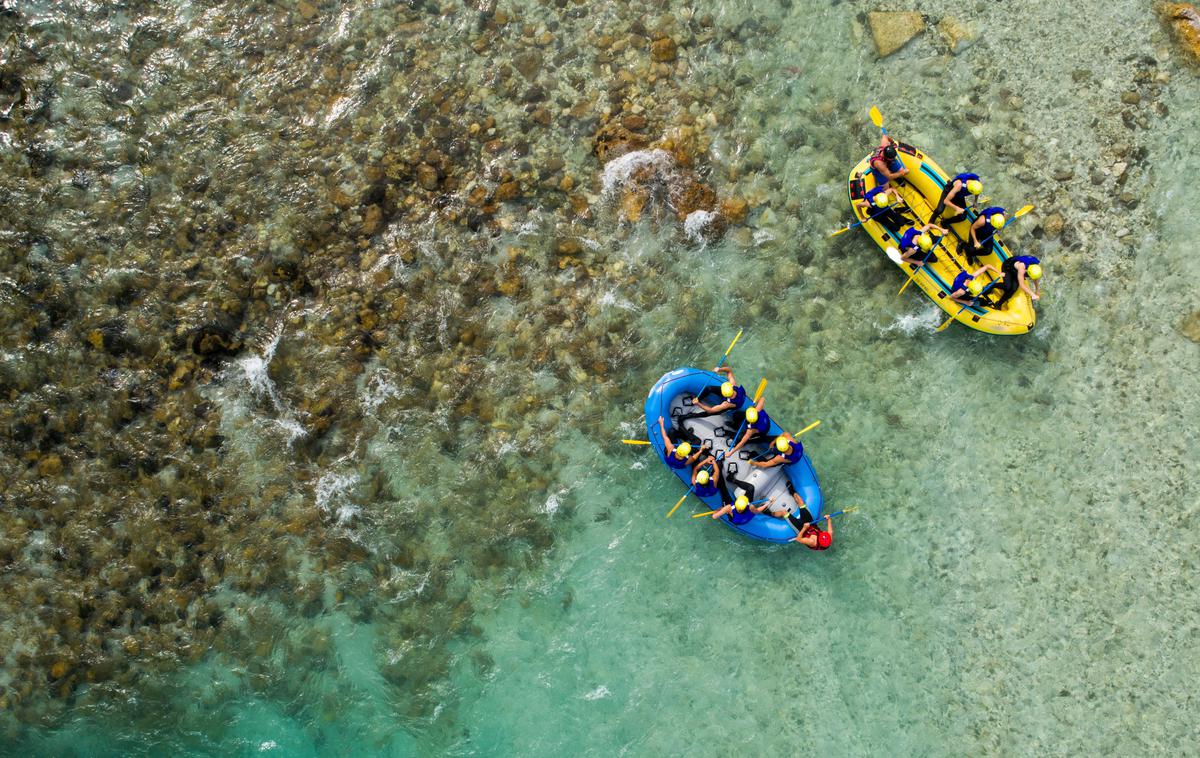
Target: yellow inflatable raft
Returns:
[[920, 190]]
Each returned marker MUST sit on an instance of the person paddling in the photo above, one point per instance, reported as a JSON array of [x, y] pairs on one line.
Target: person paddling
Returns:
[[757, 423], [815, 539], [916, 244], [954, 197], [788, 450], [885, 162], [1015, 271], [966, 288], [741, 511], [681, 455], [991, 220], [706, 478], [733, 396], [884, 205]]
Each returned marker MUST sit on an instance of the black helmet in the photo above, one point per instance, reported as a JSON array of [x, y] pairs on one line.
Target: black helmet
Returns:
[[889, 152]]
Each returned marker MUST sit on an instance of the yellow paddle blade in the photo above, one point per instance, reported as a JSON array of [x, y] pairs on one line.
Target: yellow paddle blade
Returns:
[[946, 323], [671, 512], [843, 230], [851, 509], [758, 393], [905, 286], [731, 344], [876, 117], [810, 427], [706, 513], [1022, 211], [636, 442]]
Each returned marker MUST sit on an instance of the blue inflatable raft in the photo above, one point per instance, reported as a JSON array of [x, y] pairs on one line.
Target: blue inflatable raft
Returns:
[[671, 397]]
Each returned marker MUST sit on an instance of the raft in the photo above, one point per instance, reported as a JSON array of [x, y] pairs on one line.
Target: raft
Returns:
[[672, 395], [921, 190]]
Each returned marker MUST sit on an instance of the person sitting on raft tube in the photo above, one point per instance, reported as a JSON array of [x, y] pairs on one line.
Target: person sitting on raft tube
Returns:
[[740, 511], [954, 197], [706, 478], [733, 395], [966, 288], [883, 204], [799, 517], [788, 450], [990, 221], [678, 456], [815, 539], [885, 162], [757, 422], [1015, 271], [916, 244]]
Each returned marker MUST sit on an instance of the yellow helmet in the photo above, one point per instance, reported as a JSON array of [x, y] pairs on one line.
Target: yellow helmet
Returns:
[[783, 444], [683, 450], [702, 477], [741, 503], [751, 415], [974, 286], [727, 389], [924, 241], [997, 220], [881, 200], [1034, 272], [974, 186]]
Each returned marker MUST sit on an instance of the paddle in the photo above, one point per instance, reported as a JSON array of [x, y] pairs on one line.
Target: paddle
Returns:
[[975, 299], [758, 393], [731, 344], [671, 512], [709, 513], [851, 509], [877, 118], [858, 223], [636, 442]]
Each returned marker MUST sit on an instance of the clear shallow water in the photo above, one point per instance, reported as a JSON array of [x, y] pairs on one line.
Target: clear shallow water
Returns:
[[1020, 577]]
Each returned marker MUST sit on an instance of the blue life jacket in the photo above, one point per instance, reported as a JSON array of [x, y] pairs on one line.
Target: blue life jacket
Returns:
[[960, 281], [795, 454], [964, 178], [870, 195], [705, 490], [739, 396], [987, 230], [763, 425], [742, 517], [1028, 260], [909, 238], [673, 461]]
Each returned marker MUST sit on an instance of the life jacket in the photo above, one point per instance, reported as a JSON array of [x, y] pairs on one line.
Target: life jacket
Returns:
[[795, 454], [870, 195], [909, 238], [739, 396], [964, 178], [737, 519], [673, 461], [988, 230], [960, 281], [706, 490], [1028, 260], [763, 425]]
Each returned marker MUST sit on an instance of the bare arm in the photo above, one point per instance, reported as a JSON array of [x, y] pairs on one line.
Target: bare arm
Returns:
[[738, 446], [983, 268], [764, 506], [666, 440], [722, 511]]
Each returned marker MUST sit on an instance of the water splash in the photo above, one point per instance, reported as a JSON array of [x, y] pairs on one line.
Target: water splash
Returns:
[[619, 171], [697, 224]]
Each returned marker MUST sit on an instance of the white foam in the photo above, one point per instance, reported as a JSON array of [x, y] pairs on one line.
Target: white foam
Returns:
[[332, 492], [697, 223], [598, 693], [910, 324], [618, 171]]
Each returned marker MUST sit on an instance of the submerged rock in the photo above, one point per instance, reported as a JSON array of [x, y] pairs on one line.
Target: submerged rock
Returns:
[[1184, 19], [1190, 327], [957, 35], [891, 30]]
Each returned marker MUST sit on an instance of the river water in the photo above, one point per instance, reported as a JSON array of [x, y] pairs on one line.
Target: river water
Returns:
[[322, 323]]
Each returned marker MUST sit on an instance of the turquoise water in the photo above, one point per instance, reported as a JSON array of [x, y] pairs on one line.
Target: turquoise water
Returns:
[[451, 554]]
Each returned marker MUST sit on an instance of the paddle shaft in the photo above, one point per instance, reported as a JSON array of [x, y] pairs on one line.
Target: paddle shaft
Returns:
[[923, 260], [974, 300], [736, 337]]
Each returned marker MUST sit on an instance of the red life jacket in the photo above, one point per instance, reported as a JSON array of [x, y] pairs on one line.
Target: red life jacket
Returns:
[[819, 546]]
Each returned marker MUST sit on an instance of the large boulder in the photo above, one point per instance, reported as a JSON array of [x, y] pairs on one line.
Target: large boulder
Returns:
[[1184, 19], [892, 30]]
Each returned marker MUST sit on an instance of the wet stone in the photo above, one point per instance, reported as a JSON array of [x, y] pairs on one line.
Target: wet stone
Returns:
[[891, 30]]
